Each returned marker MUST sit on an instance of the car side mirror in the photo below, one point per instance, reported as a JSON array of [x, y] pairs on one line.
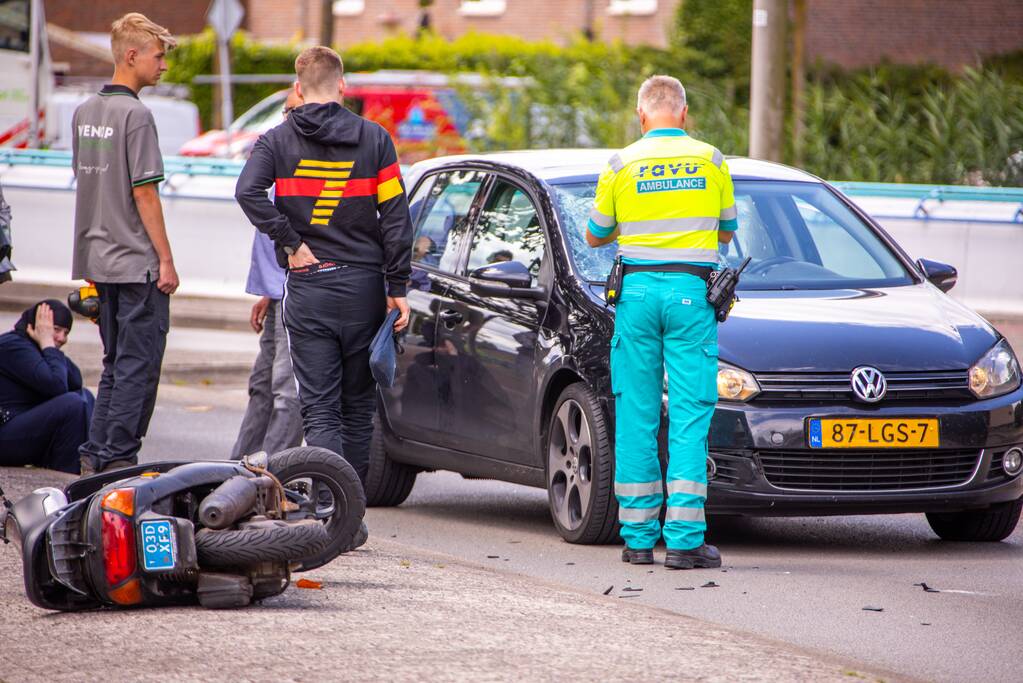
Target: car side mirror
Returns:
[[941, 275], [504, 279]]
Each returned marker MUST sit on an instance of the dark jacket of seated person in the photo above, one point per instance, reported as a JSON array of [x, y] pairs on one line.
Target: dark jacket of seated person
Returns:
[[44, 410]]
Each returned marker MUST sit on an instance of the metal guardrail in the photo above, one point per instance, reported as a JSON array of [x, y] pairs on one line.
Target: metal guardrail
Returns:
[[173, 165], [211, 166]]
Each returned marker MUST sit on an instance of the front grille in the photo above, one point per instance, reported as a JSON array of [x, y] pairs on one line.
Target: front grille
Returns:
[[835, 386], [855, 470]]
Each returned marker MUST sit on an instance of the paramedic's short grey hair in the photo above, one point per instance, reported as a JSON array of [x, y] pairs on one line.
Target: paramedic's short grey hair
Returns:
[[661, 93]]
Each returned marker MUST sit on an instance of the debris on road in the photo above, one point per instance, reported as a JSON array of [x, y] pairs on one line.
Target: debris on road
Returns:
[[925, 623], [686, 588], [628, 596], [631, 589], [710, 584], [310, 584], [493, 557], [868, 608], [569, 563], [609, 589], [927, 589]]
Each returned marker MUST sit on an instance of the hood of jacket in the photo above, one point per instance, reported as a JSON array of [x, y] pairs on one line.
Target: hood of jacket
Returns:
[[327, 124]]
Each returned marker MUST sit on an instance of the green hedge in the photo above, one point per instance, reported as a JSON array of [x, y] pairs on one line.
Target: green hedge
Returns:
[[905, 124]]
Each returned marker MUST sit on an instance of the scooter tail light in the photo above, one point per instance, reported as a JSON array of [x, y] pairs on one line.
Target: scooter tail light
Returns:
[[128, 594], [118, 548]]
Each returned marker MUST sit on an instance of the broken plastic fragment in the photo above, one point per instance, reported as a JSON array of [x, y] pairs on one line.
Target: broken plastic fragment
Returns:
[[710, 584], [868, 608], [927, 589], [609, 589], [631, 589], [628, 596], [493, 557], [686, 588], [309, 583]]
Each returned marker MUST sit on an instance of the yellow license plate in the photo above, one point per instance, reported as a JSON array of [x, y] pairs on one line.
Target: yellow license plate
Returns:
[[873, 433]]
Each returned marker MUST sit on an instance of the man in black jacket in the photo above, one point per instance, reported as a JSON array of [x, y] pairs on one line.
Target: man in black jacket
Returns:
[[44, 410], [340, 222]]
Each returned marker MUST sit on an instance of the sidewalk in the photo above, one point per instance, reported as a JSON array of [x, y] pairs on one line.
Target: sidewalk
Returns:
[[386, 613]]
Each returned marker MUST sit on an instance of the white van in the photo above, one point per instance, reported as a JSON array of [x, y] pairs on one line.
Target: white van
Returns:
[[177, 121]]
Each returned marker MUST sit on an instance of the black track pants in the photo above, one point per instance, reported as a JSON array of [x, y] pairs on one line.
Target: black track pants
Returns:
[[331, 315]]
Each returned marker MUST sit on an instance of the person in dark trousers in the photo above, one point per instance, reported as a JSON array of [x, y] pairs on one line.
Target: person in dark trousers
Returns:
[[121, 241], [340, 221], [273, 419], [44, 410]]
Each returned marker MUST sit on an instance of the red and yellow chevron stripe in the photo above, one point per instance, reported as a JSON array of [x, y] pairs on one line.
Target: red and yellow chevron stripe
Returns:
[[330, 182]]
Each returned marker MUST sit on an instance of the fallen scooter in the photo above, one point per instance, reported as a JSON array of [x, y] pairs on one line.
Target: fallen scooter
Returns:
[[220, 533]]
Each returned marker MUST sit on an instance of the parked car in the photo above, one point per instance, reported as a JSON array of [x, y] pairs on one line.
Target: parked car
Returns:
[[423, 120], [848, 381]]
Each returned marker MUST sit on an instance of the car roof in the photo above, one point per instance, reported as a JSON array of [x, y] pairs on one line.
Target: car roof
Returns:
[[555, 165]]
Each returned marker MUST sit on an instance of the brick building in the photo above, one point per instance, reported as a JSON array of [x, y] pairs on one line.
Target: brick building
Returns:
[[842, 32], [91, 20]]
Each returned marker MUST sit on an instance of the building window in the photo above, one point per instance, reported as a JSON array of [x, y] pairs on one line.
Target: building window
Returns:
[[618, 8], [482, 8], [349, 8]]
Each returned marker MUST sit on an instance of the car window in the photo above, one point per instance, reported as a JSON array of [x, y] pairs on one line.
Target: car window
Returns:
[[442, 217], [508, 230], [839, 246], [798, 235]]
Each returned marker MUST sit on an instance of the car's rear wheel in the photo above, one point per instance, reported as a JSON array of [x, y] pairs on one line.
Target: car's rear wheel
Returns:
[[993, 524], [388, 483], [580, 469]]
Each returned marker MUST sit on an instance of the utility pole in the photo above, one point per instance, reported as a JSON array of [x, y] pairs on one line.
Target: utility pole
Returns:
[[767, 82], [327, 22], [798, 79]]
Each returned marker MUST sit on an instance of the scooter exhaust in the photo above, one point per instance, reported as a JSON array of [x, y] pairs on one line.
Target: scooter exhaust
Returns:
[[228, 503]]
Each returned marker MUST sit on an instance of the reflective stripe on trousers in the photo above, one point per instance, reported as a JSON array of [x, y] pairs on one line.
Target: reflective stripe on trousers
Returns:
[[663, 321]]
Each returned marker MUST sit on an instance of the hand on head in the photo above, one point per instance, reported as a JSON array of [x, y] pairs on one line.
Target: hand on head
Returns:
[[48, 323]]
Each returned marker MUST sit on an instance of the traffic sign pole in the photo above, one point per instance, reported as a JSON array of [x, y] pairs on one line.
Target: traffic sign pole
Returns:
[[225, 16]]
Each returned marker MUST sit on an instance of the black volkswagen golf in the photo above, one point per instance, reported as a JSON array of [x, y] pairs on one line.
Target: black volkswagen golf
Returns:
[[848, 383]]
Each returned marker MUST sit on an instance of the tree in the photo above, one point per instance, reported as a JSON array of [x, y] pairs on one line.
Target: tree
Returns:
[[718, 37]]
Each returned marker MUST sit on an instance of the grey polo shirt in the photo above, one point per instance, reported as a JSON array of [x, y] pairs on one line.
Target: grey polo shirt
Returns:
[[115, 148]]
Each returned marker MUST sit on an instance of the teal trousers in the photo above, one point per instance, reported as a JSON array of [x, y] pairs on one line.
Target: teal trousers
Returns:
[[664, 331]]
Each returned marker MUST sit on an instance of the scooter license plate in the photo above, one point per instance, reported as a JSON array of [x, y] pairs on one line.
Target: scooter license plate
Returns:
[[159, 544]]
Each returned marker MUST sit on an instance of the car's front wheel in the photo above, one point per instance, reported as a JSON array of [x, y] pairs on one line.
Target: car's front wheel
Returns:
[[992, 524], [580, 469]]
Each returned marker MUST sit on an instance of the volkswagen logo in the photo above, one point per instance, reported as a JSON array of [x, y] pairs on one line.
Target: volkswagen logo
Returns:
[[868, 384]]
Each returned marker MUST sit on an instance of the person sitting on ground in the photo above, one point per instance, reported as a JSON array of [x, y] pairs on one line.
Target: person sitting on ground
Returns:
[[44, 409]]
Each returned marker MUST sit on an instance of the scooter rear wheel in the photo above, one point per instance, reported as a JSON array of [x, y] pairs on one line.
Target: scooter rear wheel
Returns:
[[270, 542]]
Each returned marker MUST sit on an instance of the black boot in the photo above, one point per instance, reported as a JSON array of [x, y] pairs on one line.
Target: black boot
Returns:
[[637, 556], [704, 557]]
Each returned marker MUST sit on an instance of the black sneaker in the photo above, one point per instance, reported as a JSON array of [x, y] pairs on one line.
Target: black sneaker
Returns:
[[704, 557], [633, 556]]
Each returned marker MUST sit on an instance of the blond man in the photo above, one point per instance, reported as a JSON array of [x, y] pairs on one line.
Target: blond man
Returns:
[[121, 240]]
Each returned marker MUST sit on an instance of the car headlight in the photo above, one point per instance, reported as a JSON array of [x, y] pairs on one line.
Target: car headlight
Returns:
[[996, 373], [735, 384]]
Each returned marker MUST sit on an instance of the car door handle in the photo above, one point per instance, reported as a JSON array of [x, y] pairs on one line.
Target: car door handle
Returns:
[[450, 317]]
